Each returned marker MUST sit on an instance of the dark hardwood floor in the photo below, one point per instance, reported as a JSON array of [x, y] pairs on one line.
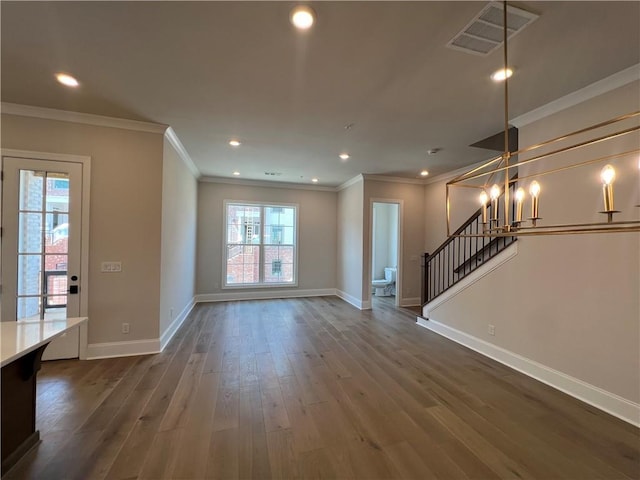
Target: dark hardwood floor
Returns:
[[313, 388]]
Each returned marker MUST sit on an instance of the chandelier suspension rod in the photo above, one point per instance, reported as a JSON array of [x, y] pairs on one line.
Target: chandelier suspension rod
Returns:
[[506, 119]]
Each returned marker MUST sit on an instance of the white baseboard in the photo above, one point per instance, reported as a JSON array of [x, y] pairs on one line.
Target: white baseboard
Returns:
[[122, 349], [609, 402], [176, 324], [263, 295], [356, 302], [482, 271], [409, 302]]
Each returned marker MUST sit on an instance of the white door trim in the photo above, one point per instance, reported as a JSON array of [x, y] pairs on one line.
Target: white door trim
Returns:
[[84, 245]]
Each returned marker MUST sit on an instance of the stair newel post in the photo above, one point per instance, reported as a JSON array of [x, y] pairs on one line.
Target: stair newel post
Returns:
[[425, 278]]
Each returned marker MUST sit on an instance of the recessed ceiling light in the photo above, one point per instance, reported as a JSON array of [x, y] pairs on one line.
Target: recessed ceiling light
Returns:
[[344, 156], [314, 180], [424, 173], [236, 173], [501, 75], [234, 143], [302, 17], [67, 80]]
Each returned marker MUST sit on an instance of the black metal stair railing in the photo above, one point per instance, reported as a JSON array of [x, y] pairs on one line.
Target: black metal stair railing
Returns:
[[458, 256]]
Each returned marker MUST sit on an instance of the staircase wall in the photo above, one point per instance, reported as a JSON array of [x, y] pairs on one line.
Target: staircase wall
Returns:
[[568, 305]]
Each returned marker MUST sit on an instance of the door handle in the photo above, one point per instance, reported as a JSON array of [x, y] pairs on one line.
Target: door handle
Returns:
[[73, 289]]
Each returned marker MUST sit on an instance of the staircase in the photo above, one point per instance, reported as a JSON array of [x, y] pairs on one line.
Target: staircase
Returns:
[[458, 256]]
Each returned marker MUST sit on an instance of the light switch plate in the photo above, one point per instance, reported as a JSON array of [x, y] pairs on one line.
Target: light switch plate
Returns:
[[111, 267]]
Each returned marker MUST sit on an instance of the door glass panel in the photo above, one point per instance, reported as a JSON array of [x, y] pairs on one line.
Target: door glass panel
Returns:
[[29, 275], [28, 308], [57, 192], [31, 190], [30, 232], [43, 233]]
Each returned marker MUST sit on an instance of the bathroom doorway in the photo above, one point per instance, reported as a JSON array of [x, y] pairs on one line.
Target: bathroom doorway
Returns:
[[385, 281]]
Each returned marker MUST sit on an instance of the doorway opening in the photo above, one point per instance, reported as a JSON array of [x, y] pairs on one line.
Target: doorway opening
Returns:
[[385, 285]]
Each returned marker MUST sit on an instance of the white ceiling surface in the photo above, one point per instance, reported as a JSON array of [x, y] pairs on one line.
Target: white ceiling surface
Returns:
[[217, 70]]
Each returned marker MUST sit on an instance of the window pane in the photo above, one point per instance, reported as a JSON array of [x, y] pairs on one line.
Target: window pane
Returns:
[[29, 279], [279, 216], [29, 232], [288, 235], [28, 307], [243, 224], [278, 264], [57, 192], [57, 238], [242, 264], [31, 190]]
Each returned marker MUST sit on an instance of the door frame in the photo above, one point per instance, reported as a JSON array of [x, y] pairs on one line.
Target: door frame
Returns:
[[85, 161], [400, 266]]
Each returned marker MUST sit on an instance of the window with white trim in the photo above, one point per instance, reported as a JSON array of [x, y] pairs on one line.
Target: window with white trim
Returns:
[[260, 244]]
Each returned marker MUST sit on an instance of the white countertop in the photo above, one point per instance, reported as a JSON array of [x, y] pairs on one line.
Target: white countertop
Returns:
[[20, 338]]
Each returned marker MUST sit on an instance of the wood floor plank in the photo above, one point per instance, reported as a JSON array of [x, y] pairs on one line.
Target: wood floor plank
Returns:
[[304, 432], [282, 455], [192, 457], [223, 455], [314, 388], [407, 461], [274, 410]]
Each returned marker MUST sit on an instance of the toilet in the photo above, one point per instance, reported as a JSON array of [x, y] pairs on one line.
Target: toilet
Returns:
[[386, 286]]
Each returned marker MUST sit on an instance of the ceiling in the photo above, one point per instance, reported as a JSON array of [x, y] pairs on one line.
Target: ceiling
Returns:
[[221, 70]]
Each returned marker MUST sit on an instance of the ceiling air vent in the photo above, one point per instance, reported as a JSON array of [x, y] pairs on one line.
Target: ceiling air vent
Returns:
[[484, 33]]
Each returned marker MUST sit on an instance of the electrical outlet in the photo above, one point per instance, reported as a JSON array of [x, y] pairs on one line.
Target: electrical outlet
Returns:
[[492, 330], [125, 328]]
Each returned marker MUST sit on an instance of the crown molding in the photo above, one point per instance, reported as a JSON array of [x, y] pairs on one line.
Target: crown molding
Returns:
[[352, 181], [175, 142], [386, 178], [265, 183], [77, 117], [600, 87]]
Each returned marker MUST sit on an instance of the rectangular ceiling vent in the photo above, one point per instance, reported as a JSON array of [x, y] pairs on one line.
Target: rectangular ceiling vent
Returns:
[[484, 33]]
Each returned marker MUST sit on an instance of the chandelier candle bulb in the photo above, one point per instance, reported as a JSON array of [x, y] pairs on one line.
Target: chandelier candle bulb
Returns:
[[495, 194], [534, 190], [519, 204], [608, 175], [483, 201]]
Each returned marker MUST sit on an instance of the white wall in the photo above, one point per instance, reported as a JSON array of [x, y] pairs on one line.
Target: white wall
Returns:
[[316, 244], [465, 201], [178, 238], [571, 303], [350, 267], [413, 228], [126, 189]]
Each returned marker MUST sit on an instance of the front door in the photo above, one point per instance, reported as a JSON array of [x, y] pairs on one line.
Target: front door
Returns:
[[41, 245]]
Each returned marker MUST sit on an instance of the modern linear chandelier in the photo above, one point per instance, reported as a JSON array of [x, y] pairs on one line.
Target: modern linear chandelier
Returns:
[[500, 182]]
